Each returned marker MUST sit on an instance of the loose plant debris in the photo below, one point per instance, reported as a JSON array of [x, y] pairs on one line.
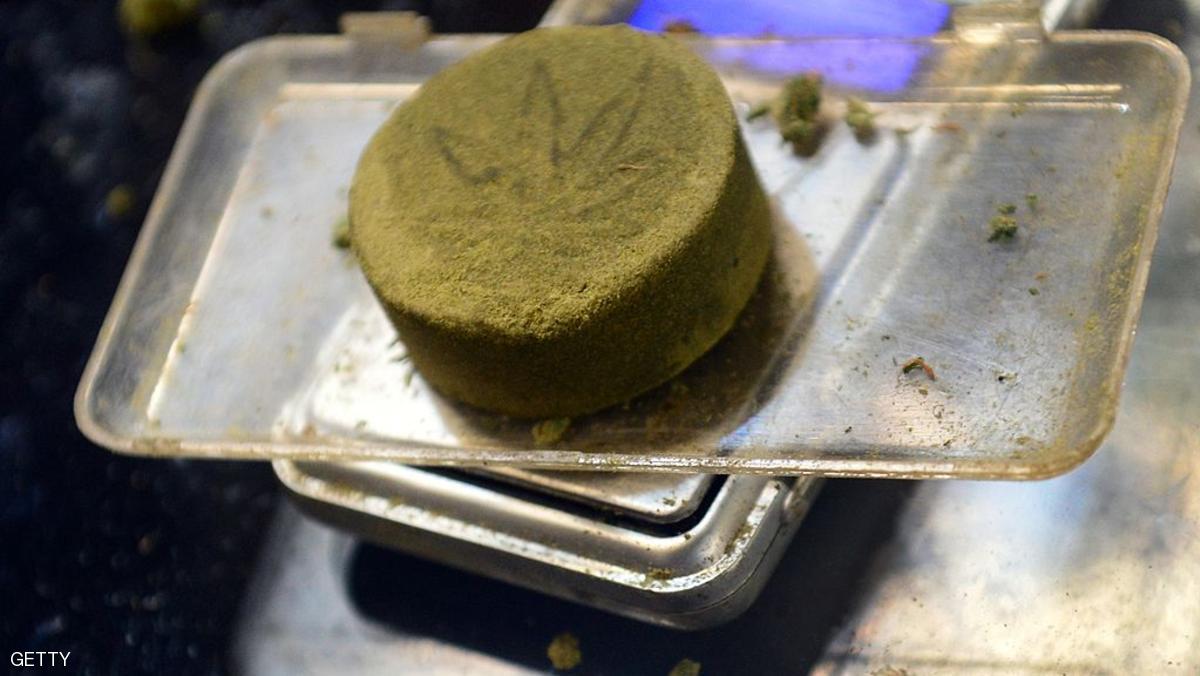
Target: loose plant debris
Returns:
[[552, 431], [151, 18], [918, 363], [685, 667], [564, 652], [861, 119], [341, 233], [796, 112], [119, 202], [1002, 227]]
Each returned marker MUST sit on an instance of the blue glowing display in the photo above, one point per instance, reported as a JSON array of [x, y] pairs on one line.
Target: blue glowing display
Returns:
[[882, 65]]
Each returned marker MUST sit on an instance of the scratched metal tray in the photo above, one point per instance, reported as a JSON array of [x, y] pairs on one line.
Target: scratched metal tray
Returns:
[[240, 332]]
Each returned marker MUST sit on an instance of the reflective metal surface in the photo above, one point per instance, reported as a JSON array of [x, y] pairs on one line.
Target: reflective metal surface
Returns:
[[695, 574], [301, 620], [1026, 385], [662, 498], [1096, 572], [323, 603]]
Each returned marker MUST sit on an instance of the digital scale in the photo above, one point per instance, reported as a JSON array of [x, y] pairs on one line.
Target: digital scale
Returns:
[[221, 346]]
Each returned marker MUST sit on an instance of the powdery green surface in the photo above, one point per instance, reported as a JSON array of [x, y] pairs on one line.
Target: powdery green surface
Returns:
[[561, 222]]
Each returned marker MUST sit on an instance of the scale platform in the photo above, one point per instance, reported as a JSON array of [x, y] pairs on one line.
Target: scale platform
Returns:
[[222, 343]]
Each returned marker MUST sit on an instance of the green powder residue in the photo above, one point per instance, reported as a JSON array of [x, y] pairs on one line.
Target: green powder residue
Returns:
[[1002, 227], [660, 574], [341, 233], [119, 202], [147, 18], [685, 667], [552, 431], [564, 652], [860, 119], [796, 111], [800, 98]]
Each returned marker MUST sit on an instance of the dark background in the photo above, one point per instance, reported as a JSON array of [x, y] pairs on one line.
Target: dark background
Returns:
[[132, 565], [137, 566]]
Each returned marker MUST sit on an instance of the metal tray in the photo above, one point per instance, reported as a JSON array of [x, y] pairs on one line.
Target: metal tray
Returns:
[[693, 574], [239, 331], [655, 497]]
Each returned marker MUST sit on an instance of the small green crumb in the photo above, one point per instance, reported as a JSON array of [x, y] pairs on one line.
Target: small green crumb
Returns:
[[685, 667], [564, 652], [1033, 291], [1032, 200], [801, 97], [341, 233], [119, 202], [659, 574], [861, 119], [802, 134], [546, 432], [147, 18], [795, 111], [1002, 227]]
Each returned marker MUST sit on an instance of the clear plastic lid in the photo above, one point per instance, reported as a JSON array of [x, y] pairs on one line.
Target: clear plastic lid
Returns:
[[240, 331]]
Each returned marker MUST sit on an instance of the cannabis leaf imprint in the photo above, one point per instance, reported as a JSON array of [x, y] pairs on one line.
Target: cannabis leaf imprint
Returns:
[[552, 161]]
